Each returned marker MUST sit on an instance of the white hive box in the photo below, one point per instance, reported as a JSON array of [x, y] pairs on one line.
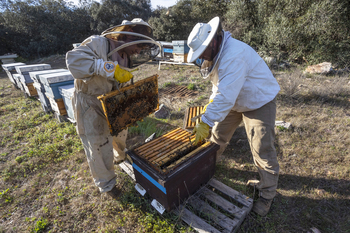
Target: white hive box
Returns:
[[8, 58], [26, 80], [67, 93], [34, 75], [45, 103], [17, 78], [10, 69], [57, 105], [51, 82]]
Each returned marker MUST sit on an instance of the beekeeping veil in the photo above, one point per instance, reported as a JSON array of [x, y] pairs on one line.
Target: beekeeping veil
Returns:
[[199, 39], [135, 37]]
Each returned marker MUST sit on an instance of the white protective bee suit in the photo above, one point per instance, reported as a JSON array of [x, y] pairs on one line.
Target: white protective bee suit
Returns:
[[93, 65], [89, 65], [244, 89]]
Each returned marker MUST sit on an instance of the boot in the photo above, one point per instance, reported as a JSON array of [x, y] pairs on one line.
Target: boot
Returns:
[[262, 206], [114, 193]]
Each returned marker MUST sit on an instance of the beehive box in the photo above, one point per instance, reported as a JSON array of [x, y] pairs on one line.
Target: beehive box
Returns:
[[57, 105], [17, 78], [29, 89], [53, 81], [10, 70], [132, 103], [170, 168], [26, 79], [44, 101], [167, 49], [24, 71], [67, 92], [180, 47], [34, 75], [189, 114]]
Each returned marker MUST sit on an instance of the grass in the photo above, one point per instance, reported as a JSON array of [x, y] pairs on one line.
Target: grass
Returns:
[[46, 186]]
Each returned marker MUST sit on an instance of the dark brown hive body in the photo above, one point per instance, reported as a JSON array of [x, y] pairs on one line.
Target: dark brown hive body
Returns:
[[170, 168]]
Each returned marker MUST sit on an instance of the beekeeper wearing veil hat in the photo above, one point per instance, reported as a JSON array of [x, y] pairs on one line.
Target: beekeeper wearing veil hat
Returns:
[[244, 89], [100, 65]]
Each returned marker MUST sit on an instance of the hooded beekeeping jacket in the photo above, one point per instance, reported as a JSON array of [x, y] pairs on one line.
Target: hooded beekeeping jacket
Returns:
[[241, 81], [93, 72]]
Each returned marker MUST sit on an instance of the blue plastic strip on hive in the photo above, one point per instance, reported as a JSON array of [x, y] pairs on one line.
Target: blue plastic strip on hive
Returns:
[[149, 178], [167, 50]]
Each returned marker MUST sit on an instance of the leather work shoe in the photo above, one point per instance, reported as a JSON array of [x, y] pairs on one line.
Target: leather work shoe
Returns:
[[114, 193], [262, 206]]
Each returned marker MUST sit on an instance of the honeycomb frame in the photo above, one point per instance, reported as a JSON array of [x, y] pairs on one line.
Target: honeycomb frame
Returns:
[[124, 107]]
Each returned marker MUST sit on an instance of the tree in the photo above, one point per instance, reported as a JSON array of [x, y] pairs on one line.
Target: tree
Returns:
[[317, 30], [37, 28], [112, 12], [176, 22]]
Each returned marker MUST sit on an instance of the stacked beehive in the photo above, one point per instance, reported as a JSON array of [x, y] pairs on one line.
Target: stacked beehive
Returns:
[[45, 103], [167, 50], [52, 82], [25, 79], [67, 94], [10, 70], [180, 50]]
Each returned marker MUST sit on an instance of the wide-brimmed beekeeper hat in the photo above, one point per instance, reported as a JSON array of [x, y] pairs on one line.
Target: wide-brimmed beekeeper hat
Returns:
[[134, 33], [200, 37], [135, 26]]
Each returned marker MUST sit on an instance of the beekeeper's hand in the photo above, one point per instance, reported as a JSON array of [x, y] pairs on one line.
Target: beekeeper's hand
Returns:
[[201, 130], [122, 75], [205, 107]]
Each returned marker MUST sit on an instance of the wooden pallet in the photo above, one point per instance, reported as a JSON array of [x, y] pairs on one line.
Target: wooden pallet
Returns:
[[215, 208]]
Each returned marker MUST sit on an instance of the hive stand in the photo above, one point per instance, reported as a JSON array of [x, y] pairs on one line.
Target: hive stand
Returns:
[[215, 208]]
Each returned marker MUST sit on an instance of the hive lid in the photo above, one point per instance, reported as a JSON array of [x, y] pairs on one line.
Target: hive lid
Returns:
[[27, 68], [66, 90], [179, 42], [11, 66], [131, 104], [35, 74], [48, 79]]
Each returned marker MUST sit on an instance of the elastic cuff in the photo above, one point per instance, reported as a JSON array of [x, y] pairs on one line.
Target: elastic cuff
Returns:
[[206, 121]]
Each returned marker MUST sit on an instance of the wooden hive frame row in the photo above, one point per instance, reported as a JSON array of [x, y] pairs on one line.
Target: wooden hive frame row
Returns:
[[169, 150], [189, 114]]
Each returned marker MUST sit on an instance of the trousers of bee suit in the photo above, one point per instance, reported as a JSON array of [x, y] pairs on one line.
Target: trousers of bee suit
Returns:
[[260, 129]]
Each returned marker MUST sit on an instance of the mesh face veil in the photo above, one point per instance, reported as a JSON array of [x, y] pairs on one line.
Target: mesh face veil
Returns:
[[136, 40], [206, 66]]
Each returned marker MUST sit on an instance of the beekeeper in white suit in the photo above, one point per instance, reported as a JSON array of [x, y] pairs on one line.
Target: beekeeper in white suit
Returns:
[[99, 65], [243, 89]]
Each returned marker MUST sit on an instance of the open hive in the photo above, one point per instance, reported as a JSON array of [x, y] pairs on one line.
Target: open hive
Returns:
[[189, 114], [171, 167], [126, 106]]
